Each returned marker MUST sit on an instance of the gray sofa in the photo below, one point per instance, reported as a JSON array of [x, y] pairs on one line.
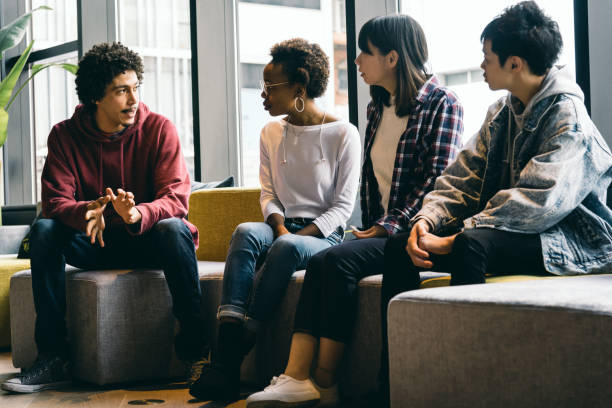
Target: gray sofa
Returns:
[[542, 343], [121, 327], [514, 344]]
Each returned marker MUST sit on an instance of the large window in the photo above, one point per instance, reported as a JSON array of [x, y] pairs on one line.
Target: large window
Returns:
[[54, 100], [453, 31], [54, 27], [53, 90], [159, 30], [261, 25]]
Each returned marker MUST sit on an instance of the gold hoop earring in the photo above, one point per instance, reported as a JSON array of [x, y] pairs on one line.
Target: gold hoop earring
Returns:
[[295, 104]]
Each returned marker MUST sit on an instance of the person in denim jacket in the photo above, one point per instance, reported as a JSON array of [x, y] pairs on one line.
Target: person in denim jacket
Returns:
[[528, 193]]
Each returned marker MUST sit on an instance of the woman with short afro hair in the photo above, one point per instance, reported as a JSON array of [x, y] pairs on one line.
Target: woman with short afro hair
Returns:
[[309, 175]]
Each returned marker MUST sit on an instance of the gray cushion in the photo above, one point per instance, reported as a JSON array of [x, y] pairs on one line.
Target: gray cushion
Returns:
[[537, 343], [10, 238]]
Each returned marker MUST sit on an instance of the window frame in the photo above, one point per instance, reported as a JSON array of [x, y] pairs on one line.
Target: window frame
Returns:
[[216, 87], [100, 18]]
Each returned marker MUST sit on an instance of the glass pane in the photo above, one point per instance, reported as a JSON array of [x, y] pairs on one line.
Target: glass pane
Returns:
[[54, 27], [455, 51], [320, 21], [159, 30], [55, 98]]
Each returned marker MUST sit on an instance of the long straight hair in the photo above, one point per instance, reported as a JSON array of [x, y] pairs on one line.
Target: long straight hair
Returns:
[[403, 34]]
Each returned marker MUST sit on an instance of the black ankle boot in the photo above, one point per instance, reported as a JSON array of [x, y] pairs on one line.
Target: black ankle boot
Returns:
[[220, 380]]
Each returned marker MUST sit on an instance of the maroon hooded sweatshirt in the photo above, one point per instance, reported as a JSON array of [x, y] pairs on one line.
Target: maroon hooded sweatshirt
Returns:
[[145, 159]]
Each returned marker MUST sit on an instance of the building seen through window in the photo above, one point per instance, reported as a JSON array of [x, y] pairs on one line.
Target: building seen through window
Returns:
[[320, 21], [159, 31]]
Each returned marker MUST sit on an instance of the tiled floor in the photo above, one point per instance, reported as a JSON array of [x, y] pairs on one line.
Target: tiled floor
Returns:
[[85, 395]]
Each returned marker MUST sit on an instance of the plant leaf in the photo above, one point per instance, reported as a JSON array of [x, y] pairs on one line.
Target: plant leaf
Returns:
[[72, 68], [8, 83], [36, 69], [11, 34], [4, 117]]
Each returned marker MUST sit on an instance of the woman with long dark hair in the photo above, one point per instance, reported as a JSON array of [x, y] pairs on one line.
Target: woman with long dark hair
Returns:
[[413, 132]]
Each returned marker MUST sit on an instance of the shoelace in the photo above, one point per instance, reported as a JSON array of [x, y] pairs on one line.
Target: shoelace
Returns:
[[273, 382], [195, 369]]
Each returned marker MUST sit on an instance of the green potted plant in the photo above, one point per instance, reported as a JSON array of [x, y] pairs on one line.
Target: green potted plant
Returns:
[[10, 36]]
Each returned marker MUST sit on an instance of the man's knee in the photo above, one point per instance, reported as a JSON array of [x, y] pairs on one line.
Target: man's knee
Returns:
[[171, 227], [396, 244], [466, 242], [44, 229], [47, 235]]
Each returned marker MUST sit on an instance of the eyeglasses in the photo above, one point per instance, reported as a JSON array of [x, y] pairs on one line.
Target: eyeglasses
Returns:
[[264, 87]]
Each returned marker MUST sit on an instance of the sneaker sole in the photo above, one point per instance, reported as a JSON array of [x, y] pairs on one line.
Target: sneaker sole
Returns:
[[29, 388], [282, 404]]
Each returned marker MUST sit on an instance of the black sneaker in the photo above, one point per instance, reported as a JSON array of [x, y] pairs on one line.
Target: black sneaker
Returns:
[[48, 372], [217, 383]]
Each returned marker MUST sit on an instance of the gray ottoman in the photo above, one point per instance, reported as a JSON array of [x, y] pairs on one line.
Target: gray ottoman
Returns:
[[544, 343], [120, 323]]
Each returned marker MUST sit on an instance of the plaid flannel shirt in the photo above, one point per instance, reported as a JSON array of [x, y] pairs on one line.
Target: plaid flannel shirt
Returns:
[[430, 142]]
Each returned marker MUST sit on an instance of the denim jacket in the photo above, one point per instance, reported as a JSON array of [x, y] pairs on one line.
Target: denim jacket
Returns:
[[560, 168]]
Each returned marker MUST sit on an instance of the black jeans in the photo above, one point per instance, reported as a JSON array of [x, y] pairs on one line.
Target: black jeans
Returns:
[[328, 302], [475, 252], [167, 245]]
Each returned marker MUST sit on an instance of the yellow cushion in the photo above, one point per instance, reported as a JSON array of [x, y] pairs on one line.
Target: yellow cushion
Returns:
[[445, 280], [217, 212], [8, 267]]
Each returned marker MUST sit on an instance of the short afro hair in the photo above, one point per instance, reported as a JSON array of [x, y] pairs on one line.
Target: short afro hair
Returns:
[[99, 66], [523, 30], [303, 63]]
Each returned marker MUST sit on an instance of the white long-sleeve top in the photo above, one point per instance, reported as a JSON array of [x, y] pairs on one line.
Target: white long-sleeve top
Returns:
[[296, 182]]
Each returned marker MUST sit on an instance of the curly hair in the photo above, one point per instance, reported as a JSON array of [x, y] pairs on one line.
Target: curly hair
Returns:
[[303, 63], [100, 65], [523, 30]]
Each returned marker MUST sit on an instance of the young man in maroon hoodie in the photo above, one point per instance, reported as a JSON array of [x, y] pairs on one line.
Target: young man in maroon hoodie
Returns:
[[114, 194]]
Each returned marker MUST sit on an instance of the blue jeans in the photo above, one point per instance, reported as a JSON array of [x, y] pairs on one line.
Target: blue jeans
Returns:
[[258, 268], [168, 245]]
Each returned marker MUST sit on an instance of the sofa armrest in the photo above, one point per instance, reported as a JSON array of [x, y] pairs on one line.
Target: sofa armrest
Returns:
[[217, 212], [10, 238]]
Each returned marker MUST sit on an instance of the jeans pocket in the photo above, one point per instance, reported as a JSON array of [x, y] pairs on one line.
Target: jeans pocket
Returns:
[[336, 237]]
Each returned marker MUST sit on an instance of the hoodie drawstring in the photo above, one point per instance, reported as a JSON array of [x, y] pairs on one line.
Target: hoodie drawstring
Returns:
[[100, 171], [122, 170], [320, 132], [284, 161]]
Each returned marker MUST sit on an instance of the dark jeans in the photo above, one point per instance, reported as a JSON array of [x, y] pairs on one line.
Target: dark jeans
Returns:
[[476, 252], [328, 302], [168, 245]]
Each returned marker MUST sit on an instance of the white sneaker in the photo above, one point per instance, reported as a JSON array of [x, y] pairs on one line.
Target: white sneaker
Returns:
[[285, 392], [330, 396]]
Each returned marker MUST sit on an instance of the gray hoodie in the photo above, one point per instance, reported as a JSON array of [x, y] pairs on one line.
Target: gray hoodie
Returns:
[[556, 167]]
